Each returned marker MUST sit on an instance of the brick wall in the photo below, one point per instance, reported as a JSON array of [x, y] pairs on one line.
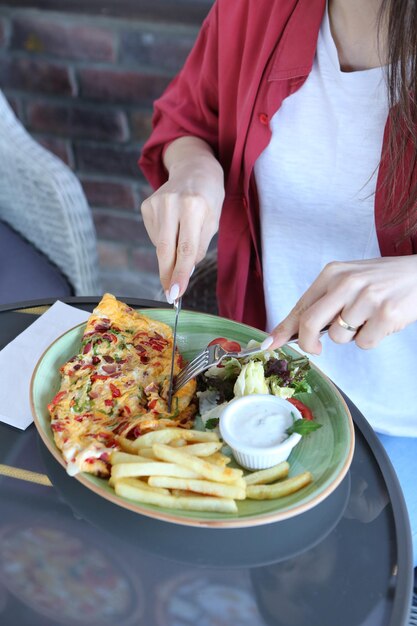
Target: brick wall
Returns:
[[83, 85]]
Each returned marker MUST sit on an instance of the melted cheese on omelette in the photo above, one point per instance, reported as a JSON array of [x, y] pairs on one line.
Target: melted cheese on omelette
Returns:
[[116, 386]]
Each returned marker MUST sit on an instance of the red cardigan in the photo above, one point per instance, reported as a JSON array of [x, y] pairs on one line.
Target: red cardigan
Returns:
[[248, 57]]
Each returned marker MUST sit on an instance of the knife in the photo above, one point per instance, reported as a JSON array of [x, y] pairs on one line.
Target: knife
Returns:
[[177, 307]]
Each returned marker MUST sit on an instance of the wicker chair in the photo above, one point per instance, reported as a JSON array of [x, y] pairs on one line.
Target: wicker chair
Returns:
[[43, 201]]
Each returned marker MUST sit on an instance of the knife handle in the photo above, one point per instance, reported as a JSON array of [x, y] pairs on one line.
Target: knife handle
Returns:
[[322, 332]]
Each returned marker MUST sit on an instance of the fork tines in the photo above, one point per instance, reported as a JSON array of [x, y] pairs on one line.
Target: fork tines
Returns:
[[194, 367]]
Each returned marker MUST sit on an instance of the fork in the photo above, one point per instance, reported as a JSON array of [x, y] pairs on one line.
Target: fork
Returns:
[[213, 355]]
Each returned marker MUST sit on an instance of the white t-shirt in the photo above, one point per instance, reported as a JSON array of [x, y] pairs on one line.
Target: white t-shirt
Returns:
[[316, 183]]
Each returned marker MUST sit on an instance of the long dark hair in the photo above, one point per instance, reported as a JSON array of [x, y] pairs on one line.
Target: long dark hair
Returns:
[[398, 19]]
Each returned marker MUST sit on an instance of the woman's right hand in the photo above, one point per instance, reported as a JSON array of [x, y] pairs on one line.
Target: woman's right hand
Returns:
[[182, 216]]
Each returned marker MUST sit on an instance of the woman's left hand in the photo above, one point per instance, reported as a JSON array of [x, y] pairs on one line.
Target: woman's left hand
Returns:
[[377, 296]]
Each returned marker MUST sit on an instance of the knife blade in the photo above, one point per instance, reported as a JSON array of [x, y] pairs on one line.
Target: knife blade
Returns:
[[177, 307]]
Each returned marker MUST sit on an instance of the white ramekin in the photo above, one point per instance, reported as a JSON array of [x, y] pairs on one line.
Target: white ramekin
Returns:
[[254, 457]]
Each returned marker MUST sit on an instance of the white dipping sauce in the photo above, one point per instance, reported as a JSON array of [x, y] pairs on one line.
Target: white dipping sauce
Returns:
[[255, 426], [260, 427]]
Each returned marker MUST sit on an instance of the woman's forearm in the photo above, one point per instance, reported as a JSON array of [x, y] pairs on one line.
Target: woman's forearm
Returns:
[[186, 149], [191, 152]]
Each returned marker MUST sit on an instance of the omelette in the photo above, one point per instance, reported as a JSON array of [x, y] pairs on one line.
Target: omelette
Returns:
[[117, 386]]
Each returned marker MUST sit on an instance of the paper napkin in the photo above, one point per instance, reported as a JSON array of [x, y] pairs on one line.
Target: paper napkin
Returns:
[[19, 358]]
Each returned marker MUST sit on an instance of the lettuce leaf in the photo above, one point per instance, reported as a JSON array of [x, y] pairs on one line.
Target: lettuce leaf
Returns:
[[251, 380]]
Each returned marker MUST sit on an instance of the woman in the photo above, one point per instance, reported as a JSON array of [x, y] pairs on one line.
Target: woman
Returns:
[[292, 126]]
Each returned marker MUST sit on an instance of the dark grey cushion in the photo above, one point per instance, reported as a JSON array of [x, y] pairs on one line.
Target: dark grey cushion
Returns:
[[25, 273]]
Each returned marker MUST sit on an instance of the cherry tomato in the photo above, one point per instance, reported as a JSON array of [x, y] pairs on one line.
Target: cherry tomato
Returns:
[[306, 413], [226, 344]]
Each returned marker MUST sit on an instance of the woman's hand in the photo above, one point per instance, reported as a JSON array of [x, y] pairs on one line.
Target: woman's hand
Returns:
[[182, 216], [376, 296]]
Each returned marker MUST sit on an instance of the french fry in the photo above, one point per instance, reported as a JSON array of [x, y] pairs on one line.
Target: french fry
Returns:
[[167, 435], [197, 465], [268, 475], [206, 487], [278, 490], [199, 436], [124, 457], [187, 503], [154, 468], [181, 493], [126, 445], [202, 449], [178, 443], [218, 459], [148, 453], [141, 484]]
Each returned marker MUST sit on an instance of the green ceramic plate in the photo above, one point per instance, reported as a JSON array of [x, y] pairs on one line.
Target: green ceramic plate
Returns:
[[326, 453]]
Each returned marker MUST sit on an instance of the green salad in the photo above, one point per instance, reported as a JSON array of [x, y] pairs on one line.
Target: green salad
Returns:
[[270, 372]]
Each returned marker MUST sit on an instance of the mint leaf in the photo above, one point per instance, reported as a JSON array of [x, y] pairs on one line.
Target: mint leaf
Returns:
[[212, 423], [303, 427]]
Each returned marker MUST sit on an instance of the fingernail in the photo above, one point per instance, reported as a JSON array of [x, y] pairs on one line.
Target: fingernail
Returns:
[[267, 342], [174, 292], [192, 271], [168, 298]]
